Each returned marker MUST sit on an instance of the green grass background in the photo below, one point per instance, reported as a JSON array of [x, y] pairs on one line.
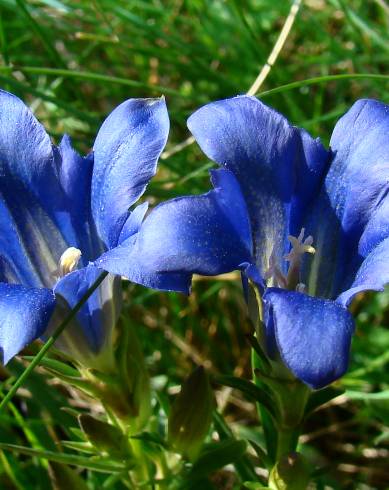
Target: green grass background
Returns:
[[73, 62]]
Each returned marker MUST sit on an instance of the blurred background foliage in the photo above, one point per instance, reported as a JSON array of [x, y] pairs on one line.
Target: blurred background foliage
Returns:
[[73, 62]]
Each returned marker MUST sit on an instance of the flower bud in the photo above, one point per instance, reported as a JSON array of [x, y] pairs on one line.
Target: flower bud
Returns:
[[191, 414]]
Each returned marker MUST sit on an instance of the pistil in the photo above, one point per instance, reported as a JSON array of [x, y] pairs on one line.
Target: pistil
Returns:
[[273, 274], [299, 248]]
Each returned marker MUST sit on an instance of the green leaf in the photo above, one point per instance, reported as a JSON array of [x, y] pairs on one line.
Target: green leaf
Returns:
[[320, 397], [260, 352], [251, 390], [360, 395], [191, 414], [105, 437], [216, 456], [244, 466], [264, 458], [151, 437], [252, 485], [72, 459], [79, 446], [64, 478], [56, 366]]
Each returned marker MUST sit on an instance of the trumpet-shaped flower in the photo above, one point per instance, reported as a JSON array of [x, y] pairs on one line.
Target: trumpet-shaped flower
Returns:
[[309, 226], [59, 212]]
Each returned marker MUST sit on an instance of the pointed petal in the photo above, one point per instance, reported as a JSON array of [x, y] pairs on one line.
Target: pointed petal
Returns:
[[126, 152], [373, 274], [313, 335], [132, 225], [75, 221], [265, 153], [34, 214], [207, 234], [27, 159], [351, 216], [24, 315]]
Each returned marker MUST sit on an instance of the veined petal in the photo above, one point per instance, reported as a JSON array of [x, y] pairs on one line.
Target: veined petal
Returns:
[[26, 156], [350, 215], [96, 319], [313, 335], [207, 234], [30, 241], [372, 275], [267, 155], [75, 220], [24, 316], [38, 215], [126, 152]]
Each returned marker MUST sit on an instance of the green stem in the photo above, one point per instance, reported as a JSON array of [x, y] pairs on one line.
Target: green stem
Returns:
[[287, 440], [50, 341]]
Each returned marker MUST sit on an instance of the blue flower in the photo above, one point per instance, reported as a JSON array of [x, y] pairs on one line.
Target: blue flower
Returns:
[[309, 226], [59, 212]]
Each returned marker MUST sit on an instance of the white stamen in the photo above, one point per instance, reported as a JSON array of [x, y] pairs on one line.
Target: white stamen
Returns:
[[274, 272], [299, 247], [68, 261], [301, 287]]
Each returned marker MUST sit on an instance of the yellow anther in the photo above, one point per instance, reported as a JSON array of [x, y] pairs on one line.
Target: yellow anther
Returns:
[[68, 261]]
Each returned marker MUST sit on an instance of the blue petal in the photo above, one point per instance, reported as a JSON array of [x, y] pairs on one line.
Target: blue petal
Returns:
[[75, 221], [270, 158], [373, 274], [96, 319], [26, 152], [24, 315], [207, 234], [132, 225], [313, 335], [126, 152], [29, 190], [30, 241], [351, 216], [44, 198]]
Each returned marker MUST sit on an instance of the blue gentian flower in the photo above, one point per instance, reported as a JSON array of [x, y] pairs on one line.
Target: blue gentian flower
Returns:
[[308, 226], [59, 212]]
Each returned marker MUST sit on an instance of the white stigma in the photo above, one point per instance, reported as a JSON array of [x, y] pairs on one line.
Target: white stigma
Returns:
[[68, 261], [299, 248]]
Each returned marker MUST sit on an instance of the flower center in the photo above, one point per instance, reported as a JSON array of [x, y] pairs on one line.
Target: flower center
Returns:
[[68, 261], [275, 277]]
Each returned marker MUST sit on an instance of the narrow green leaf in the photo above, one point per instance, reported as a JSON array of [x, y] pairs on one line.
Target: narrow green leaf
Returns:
[[217, 456], [318, 398], [72, 459], [324, 79], [260, 352], [261, 453], [64, 478], [94, 77], [252, 485], [250, 390], [360, 395], [56, 366]]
